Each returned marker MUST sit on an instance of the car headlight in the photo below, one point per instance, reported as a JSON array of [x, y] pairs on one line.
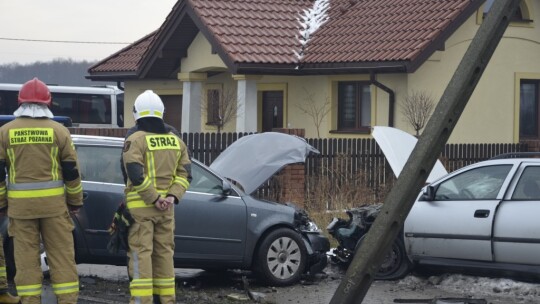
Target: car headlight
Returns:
[[312, 227]]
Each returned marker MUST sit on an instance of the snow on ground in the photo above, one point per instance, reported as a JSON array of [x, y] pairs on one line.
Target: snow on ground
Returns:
[[495, 290], [478, 286]]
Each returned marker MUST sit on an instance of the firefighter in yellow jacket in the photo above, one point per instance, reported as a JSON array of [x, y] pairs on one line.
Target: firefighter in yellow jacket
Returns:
[[158, 169], [44, 186]]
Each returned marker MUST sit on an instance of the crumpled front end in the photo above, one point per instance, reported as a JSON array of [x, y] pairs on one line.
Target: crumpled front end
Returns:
[[317, 244], [349, 231]]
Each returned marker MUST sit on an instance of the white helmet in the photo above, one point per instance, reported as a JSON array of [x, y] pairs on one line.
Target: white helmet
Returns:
[[148, 104]]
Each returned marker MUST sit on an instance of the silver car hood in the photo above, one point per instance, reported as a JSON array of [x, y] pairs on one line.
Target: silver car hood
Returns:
[[397, 145], [253, 159]]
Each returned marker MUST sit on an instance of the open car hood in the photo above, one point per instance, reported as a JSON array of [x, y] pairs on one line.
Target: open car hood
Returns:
[[397, 145], [253, 159]]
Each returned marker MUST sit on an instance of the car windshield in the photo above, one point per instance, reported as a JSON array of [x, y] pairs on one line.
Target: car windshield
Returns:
[[204, 181], [479, 183]]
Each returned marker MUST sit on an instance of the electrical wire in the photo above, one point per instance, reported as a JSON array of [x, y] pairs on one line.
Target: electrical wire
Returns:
[[62, 41]]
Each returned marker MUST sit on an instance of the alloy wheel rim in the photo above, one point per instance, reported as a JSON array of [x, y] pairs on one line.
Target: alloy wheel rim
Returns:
[[283, 258]]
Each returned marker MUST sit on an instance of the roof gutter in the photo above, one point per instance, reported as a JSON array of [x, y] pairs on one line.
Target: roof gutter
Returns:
[[391, 97]]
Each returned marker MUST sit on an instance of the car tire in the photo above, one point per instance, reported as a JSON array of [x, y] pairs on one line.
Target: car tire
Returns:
[[281, 257], [395, 265]]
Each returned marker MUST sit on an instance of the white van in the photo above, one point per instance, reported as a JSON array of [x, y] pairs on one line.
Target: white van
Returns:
[[101, 107]]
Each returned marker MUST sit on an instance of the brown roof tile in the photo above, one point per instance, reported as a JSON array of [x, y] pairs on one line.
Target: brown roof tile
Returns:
[[125, 60], [257, 24], [266, 31], [400, 30]]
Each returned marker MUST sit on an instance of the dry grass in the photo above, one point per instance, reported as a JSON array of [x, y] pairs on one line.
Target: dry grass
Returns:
[[331, 192], [330, 195]]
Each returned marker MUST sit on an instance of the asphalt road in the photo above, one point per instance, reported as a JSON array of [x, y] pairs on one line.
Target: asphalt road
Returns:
[[109, 284]]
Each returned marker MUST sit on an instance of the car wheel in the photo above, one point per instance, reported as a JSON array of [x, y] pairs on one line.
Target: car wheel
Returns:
[[281, 257], [395, 264]]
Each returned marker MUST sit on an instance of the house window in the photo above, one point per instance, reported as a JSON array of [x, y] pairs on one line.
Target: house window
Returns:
[[354, 106], [528, 110], [521, 15], [212, 108]]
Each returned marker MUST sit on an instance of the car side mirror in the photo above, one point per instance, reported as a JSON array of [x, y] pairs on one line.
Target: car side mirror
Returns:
[[227, 189], [428, 194]]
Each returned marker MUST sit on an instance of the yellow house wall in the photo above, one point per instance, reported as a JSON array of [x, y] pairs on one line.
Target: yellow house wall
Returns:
[[490, 115], [299, 90], [200, 58], [135, 87]]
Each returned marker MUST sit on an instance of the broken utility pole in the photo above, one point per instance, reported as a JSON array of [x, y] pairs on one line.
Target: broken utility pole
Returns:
[[399, 201]]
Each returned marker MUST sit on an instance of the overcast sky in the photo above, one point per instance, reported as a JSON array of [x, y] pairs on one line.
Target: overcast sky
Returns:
[[75, 20]]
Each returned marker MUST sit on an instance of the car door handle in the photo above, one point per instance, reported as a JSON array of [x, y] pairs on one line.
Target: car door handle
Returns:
[[481, 213]]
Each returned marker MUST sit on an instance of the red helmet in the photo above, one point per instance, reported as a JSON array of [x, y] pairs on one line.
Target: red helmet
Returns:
[[35, 91]]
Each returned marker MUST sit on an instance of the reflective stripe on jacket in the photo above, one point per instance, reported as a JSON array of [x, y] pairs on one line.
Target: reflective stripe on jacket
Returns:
[[163, 157], [34, 150]]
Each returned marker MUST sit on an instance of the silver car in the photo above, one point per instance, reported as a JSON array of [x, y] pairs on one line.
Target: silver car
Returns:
[[483, 217], [218, 225]]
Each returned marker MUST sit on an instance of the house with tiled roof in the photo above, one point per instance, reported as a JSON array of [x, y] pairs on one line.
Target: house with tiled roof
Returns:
[[335, 68]]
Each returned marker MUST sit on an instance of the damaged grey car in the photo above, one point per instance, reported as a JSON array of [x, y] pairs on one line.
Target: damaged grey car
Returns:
[[219, 225]]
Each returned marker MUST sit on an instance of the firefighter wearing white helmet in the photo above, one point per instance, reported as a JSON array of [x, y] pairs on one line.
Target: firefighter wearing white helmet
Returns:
[[157, 166], [148, 104]]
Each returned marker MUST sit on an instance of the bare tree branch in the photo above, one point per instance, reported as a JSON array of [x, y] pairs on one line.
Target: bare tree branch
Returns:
[[221, 107], [417, 108], [317, 112]]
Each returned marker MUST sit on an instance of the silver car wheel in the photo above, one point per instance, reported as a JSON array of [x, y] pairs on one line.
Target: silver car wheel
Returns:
[[283, 258]]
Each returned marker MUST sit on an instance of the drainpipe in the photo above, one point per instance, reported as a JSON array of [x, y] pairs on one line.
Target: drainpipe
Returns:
[[391, 97], [119, 85]]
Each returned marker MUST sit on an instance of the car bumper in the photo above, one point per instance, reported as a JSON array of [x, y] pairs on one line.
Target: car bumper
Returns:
[[319, 246]]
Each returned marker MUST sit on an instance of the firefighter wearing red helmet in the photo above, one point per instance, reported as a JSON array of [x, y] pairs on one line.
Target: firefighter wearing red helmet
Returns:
[[38, 157], [158, 174]]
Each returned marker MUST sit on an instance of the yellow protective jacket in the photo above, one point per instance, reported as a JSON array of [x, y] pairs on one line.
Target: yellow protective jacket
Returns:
[[156, 166], [41, 161]]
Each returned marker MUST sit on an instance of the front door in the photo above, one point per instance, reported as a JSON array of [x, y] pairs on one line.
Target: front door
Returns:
[[173, 110], [210, 226], [272, 110]]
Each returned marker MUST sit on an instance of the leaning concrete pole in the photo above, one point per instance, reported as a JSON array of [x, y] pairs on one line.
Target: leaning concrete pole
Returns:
[[399, 201]]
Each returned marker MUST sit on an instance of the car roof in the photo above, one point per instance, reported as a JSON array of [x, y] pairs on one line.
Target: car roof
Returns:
[[97, 140], [494, 162], [111, 141], [504, 161]]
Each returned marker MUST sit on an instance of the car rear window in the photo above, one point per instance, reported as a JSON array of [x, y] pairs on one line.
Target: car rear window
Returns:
[[100, 164]]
